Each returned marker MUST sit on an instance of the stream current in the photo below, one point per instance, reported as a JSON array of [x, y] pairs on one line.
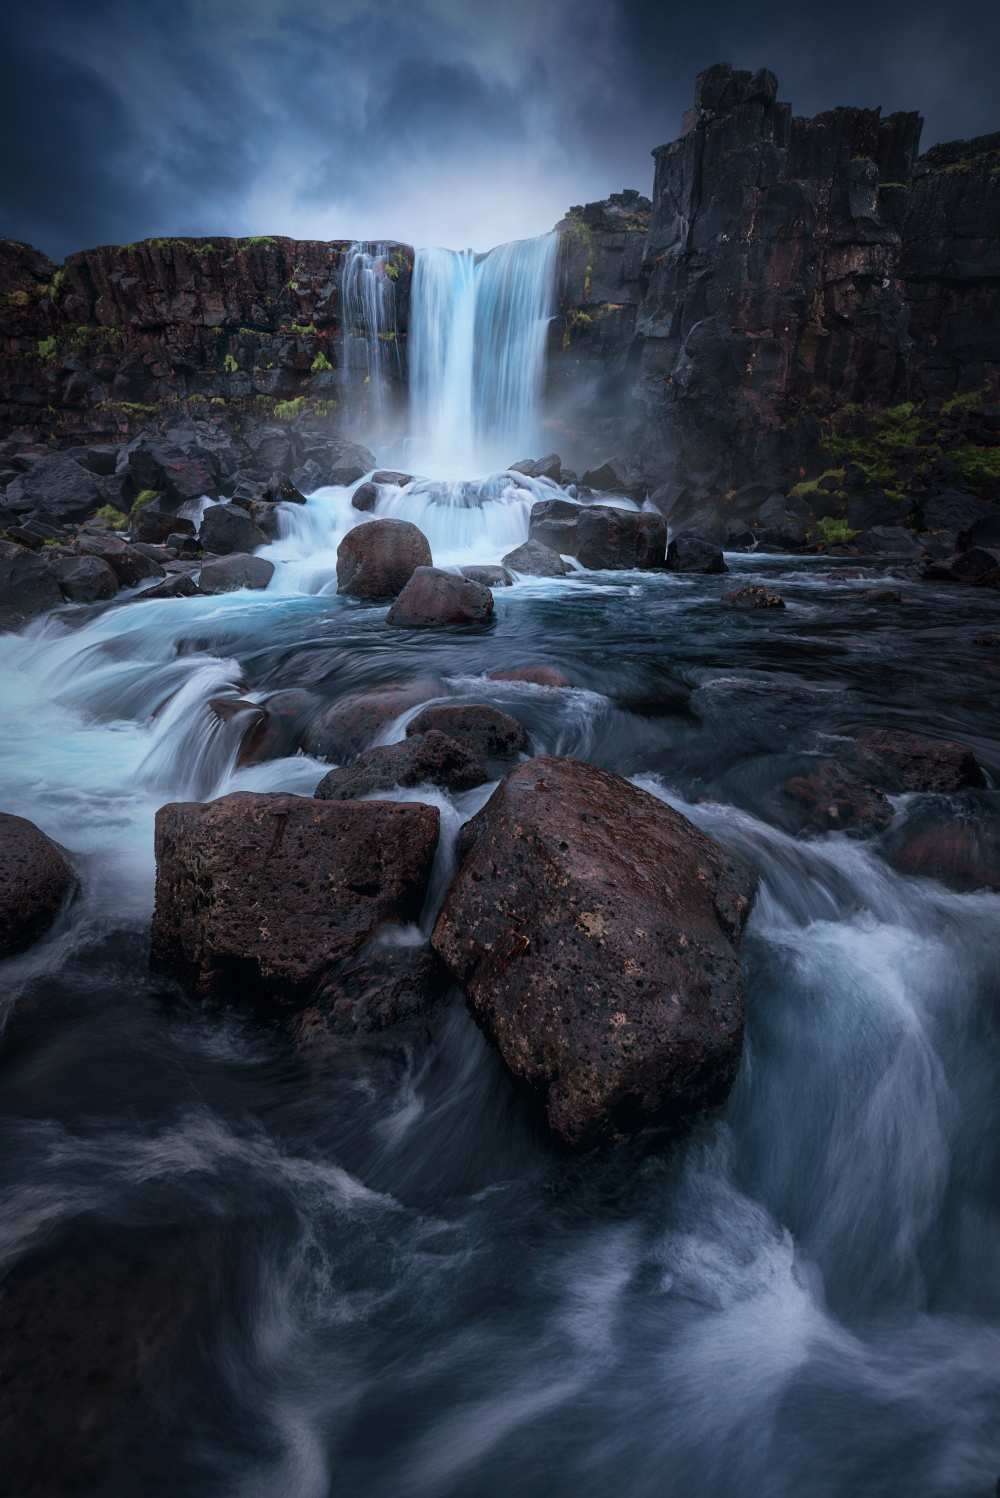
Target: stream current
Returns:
[[415, 1292]]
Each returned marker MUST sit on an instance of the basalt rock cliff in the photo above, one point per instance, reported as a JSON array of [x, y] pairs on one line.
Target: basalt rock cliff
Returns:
[[804, 303], [126, 335], [806, 306]]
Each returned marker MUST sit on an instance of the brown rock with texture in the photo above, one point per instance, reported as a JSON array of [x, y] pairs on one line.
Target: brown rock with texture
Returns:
[[35, 879], [486, 731], [262, 898], [898, 761], [377, 559], [595, 932], [435, 597], [429, 759]]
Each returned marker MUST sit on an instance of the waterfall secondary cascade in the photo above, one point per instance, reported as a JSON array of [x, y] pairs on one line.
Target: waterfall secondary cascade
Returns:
[[477, 347], [368, 301]]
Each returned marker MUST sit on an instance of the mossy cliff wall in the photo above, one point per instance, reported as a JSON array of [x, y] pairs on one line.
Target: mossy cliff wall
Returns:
[[124, 334]]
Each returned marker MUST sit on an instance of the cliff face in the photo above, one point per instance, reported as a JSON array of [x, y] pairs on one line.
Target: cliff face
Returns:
[[795, 275], [122, 335], [803, 304]]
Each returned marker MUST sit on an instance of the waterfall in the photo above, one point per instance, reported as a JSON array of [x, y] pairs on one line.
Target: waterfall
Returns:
[[368, 316], [477, 349]]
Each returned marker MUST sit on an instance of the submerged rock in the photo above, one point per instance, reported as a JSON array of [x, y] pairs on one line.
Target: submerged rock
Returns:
[[433, 597], [958, 846], [385, 984], [535, 560], [432, 758], [377, 559], [35, 880], [239, 570], [487, 732], [595, 932], [852, 794], [694, 554], [262, 898], [539, 676], [350, 724], [833, 798], [753, 596], [898, 761], [281, 728]]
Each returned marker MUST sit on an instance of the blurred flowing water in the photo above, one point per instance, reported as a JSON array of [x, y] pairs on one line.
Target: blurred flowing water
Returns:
[[420, 1296]]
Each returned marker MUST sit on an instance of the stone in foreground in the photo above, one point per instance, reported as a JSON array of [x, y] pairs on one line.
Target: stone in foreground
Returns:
[[377, 559], [265, 898], [433, 597], [595, 932], [35, 879]]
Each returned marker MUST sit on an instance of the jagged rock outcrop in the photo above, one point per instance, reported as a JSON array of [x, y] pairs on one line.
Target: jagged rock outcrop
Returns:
[[813, 299]]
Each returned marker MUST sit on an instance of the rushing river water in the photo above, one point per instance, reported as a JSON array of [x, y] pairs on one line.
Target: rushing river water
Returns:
[[409, 1290]]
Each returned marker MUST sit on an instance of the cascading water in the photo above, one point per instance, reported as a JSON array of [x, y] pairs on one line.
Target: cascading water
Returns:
[[477, 347], [370, 334]]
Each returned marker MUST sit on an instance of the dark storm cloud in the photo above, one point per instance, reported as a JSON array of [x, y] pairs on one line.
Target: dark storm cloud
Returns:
[[433, 121]]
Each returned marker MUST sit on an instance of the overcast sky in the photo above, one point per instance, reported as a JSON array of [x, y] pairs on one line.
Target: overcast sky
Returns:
[[452, 122]]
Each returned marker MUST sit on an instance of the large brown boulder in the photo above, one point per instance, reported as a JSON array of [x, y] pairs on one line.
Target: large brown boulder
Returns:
[[35, 879], [595, 932], [265, 898], [377, 559], [485, 731], [433, 596], [353, 722], [429, 759]]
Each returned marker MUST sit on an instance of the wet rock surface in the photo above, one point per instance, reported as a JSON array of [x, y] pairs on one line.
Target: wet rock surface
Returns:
[[36, 879], [694, 554], [260, 897], [434, 597], [432, 757], [377, 559], [754, 596], [535, 560], [488, 733], [350, 724], [594, 931]]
